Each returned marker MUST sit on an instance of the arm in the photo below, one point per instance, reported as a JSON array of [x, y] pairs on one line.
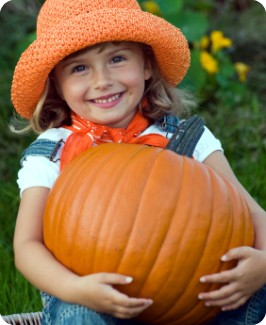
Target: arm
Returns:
[[40, 267], [250, 273]]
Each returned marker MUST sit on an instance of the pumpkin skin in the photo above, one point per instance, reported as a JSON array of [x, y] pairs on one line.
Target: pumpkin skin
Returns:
[[159, 217]]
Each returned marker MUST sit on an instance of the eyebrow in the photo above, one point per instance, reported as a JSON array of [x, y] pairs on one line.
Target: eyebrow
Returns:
[[70, 59], [66, 62], [75, 57]]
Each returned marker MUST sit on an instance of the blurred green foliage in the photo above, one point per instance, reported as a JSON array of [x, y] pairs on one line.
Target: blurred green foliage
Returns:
[[216, 72]]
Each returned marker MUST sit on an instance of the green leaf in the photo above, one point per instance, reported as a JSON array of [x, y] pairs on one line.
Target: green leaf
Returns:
[[193, 24], [170, 7], [226, 73], [25, 42], [202, 5], [196, 76]]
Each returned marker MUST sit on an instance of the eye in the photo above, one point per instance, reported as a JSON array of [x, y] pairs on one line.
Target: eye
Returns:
[[118, 59], [79, 68]]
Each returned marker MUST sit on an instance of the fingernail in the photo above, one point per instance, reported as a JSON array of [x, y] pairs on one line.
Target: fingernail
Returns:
[[202, 279], [224, 258], [129, 279], [200, 296]]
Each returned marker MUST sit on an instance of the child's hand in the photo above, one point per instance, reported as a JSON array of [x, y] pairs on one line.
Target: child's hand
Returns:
[[241, 282], [96, 292]]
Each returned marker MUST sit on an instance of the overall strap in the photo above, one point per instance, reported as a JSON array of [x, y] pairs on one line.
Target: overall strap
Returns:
[[169, 123], [186, 136], [42, 147]]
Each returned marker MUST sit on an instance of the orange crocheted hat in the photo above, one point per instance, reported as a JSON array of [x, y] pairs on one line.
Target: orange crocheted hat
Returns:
[[66, 26]]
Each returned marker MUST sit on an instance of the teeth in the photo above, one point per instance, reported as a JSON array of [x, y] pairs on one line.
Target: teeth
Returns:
[[107, 100]]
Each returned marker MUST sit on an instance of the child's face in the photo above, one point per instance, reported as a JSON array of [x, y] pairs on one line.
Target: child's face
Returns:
[[104, 84]]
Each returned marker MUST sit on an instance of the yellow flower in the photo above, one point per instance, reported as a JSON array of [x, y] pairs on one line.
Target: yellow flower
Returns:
[[208, 62], [151, 7], [204, 42], [219, 41], [242, 70]]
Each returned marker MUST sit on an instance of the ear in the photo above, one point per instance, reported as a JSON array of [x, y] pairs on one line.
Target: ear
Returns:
[[147, 70]]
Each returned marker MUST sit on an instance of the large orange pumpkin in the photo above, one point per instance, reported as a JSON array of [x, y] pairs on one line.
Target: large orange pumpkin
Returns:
[[142, 211]]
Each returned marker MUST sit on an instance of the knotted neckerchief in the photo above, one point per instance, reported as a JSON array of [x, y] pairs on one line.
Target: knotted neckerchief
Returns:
[[87, 134]]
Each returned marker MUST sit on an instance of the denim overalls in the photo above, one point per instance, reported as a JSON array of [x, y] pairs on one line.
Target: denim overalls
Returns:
[[57, 312]]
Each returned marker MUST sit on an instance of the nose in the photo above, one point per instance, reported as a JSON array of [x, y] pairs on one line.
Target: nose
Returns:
[[102, 78]]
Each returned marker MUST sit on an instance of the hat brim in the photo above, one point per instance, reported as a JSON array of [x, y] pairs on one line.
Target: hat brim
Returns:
[[168, 43]]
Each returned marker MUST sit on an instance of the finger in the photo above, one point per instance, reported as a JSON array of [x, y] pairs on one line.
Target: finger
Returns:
[[114, 278], [122, 300], [227, 304], [222, 293], [126, 312], [222, 277], [129, 303], [223, 299], [235, 305], [237, 253]]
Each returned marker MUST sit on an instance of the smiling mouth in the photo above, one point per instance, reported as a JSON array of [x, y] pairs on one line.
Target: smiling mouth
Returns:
[[106, 99]]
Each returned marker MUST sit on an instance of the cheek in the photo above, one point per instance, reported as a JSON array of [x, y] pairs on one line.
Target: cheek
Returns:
[[73, 90], [136, 78]]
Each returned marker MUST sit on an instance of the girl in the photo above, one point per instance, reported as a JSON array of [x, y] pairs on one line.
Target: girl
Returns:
[[102, 71]]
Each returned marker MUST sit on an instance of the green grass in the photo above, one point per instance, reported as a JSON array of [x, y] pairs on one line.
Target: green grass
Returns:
[[16, 294], [242, 131]]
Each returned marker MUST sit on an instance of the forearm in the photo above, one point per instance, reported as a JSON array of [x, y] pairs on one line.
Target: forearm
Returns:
[[32, 258], [259, 221], [40, 268]]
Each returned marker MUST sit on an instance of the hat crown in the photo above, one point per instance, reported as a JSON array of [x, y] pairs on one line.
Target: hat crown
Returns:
[[54, 12]]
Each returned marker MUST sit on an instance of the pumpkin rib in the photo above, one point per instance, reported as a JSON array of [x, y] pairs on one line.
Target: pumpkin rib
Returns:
[[105, 220], [163, 239], [209, 239], [61, 225], [93, 225], [57, 224], [115, 195], [212, 225], [160, 250], [197, 305], [138, 217], [172, 270], [166, 238], [190, 274], [81, 206]]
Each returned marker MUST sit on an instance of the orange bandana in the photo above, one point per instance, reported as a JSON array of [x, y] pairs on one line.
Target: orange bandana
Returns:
[[87, 134]]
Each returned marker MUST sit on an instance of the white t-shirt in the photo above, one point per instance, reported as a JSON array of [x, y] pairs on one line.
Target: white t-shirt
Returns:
[[40, 171]]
